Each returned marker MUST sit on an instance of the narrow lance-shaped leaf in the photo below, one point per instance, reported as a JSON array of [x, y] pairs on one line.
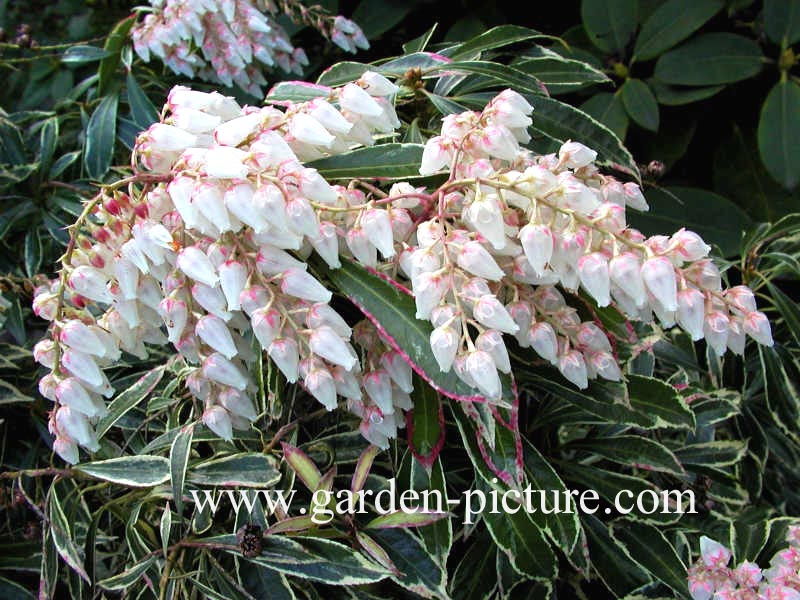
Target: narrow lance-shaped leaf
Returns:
[[302, 465], [425, 423], [101, 134], [178, 461], [363, 467], [130, 471]]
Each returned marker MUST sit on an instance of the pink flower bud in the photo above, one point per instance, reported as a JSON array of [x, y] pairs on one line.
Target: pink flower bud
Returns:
[[691, 312], [215, 333], [491, 342], [321, 385], [218, 368], [285, 354], [573, 368], [326, 343], [490, 312], [625, 271], [594, 276], [481, 368], [435, 156], [376, 84], [658, 274], [756, 325], [218, 420], [298, 283], [44, 353], [399, 370], [715, 329], [252, 298], [498, 141], [474, 258], [590, 336], [544, 341], [634, 197], [444, 345], [76, 334], [378, 386], [736, 336], [377, 226], [45, 305], [706, 274], [196, 265], [232, 278]]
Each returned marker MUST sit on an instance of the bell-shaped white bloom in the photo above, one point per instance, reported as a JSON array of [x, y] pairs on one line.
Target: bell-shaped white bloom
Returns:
[[167, 137], [322, 386], [634, 197], [330, 118], [573, 367], [273, 261], [302, 217], [325, 342], [215, 333], [82, 366], [44, 352], [322, 314], [594, 276], [252, 298], [590, 336], [483, 372], [756, 325], [537, 243], [491, 342], [76, 426], [266, 323], [474, 258], [70, 392], [490, 312], [77, 334], [326, 243], [435, 156], [45, 306], [347, 384], [399, 370], [354, 99], [91, 283], [314, 187], [362, 249], [300, 284], [543, 340], [444, 344], [195, 264], [218, 420], [603, 364], [378, 386], [625, 271], [218, 368], [486, 217], [212, 299], [429, 289], [236, 131], [285, 354], [224, 162], [741, 298], [193, 120], [691, 312], [175, 315], [209, 200], [127, 275], [378, 227], [659, 277], [66, 449], [238, 403], [688, 246], [308, 130], [715, 330], [575, 155], [240, 201], [232, 279], [376, 84]]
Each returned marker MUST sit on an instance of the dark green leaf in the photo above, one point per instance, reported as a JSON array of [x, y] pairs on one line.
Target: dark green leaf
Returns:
[[130, 471], [419, 44], [640, 103], [607, 108], [496, 37], [632, 451], [128, 577], [376, 17], [499, 74], [11, 590], [33, 252], [788, 308], [561, 75], [713, 217], [670, 95], [748, 539], [48, 139], [61, 164], [108, 66], [101, 133], [83, 54], [778, 131], [661, 401], [475, 576], [782, 21], [418, 572], [142, 110], [718, 454], [710, 59], [609, 23], [61, 532], [671, 23], [396, 161], [299, 91], [426, 433], [620, 574], [250, 469]]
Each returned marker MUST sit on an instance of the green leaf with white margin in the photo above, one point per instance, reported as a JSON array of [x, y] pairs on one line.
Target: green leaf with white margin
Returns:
[[560, 75], [128, 577], [498, 74], [11, 590], [719, 453], [130, 471], [632, 451], [129, 398], [394, 161], [113, 46], [715, 218], [782, 21], [48, 140], [297, 91], [178, 462], [609, 23], [648, 547], [82, 54], [710, 59], [640, 103], [475, 577], [748, 539], [778, 132], [788, 309], [303, 466], [262, 582], [496, 37], [661, 401], [247, 469], [670, 24], [618, 572], [418, 572], [608, 109], [61, 533]]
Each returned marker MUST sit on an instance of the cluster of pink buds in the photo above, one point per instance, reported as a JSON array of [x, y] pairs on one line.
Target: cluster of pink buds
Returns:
[[510, 227], [224, 42], [208, 254], [711, 577]]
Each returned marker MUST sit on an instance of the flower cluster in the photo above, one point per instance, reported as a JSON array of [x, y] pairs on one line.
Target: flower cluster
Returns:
[[224, 42], [207, 250], [711, 577], [511, 228], [210, 250]]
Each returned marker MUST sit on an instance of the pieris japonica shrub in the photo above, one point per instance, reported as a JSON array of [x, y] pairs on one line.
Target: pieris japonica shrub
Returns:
[[423, 273]]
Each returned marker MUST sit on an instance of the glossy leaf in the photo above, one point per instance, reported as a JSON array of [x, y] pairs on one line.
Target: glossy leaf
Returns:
[[129, 398], [426, 423], [418, 572], [661, 401], [608, 109], [178, 463], [297, 91], [363, 467], [610, 24], [128, 577], [303, 466], [496, 37], [633, 451], [61, 532], [640, 103], [395, 161], [670, 95], [778, 131], [718, 453], [113, 46], [561, 75], [670, 24], [48, 140], [615, 568], [130, 471], [101, 134], [710, 59], [782, 21], [248, 469], [83, 54], [143, 111], [498, 74]]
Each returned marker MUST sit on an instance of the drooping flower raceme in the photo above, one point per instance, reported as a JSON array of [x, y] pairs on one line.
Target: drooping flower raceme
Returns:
[[207, 251], [712, 577], [232, 41]]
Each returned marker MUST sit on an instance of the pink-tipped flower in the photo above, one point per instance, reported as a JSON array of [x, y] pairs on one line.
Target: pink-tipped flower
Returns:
[[477, 260], [272, 261], [76, 425], [232, 278], [490, 312], [301, 217], [321, 385], [658, 274], [215, 333], [543, 340], [537, 243], [486, 217], [399, 370], [325, 342], [625, 271], [240, 201], [326, 243], [76, 334], [45, 306], [429, 289], [362, 249], [308, 130], [377, 226], [634, 197], [741, 298], [91, 283], [300, 284], [603, 364], [715, 330], [195, 264], [491, 342], [354, 99], [212, 299], [82, 366], [573, 367], [436, 155], [756, 325], [66, 449], [713, 553], [688, 246], [482, 370], [44, 352], [575, 155], [378, 386], [266, 324], [444, 345], [594, 276], [347, 383], [71, 393], [218, 420], [218, 368], [691, 312], [286, 355]]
